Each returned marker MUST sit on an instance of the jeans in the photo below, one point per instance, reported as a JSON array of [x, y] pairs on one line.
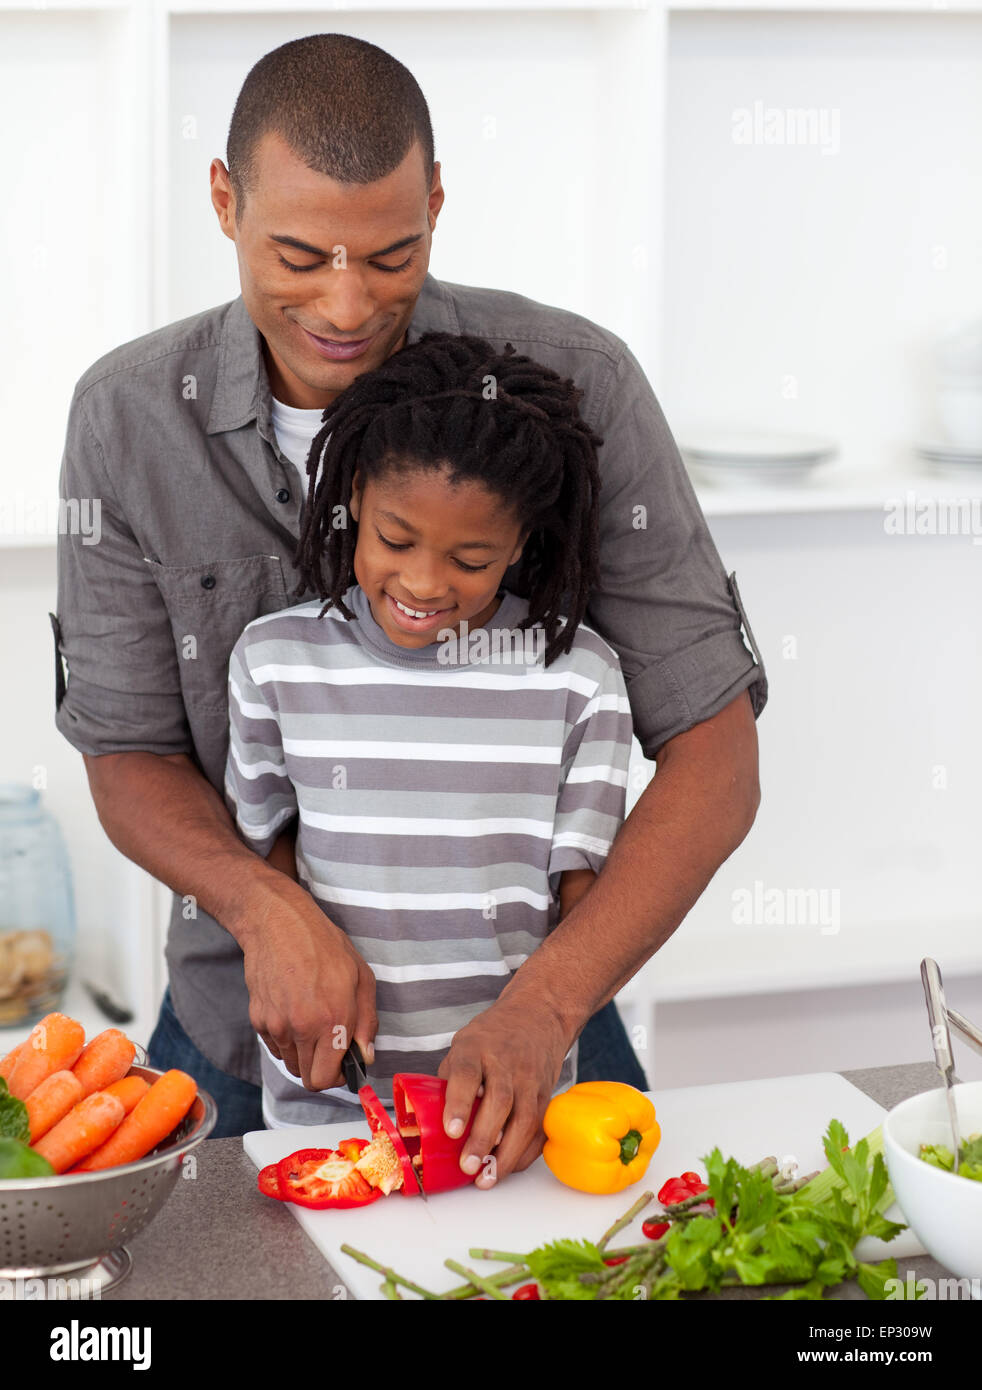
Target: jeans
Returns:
[[239, 1103], [605, 1054]]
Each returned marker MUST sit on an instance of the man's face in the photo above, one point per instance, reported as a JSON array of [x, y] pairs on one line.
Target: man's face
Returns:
[[321, 260], [433, 548]]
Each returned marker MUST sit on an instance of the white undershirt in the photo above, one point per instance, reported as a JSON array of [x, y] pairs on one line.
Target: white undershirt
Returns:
[[294, 429]]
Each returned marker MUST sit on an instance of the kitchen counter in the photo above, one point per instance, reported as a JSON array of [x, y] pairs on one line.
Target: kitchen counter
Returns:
[[218, 1238]]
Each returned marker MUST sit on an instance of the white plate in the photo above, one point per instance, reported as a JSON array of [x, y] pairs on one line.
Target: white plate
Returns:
[[758, 450], [951, 453]]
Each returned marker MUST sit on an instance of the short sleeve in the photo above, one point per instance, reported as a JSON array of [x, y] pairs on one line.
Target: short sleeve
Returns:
[[258, 791], [663, 601], [123, 688], [593, 789]]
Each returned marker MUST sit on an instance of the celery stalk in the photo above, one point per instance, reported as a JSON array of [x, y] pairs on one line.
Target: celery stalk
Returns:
[[819, 1188]]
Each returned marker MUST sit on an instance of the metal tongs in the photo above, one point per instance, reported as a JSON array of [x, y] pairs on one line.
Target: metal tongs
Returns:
[[942, 1020]]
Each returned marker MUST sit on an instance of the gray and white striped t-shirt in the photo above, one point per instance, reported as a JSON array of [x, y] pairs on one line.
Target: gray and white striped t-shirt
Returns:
[[441, 792]]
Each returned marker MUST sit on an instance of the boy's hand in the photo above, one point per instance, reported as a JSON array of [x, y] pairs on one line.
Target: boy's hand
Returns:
[[514, 1051]]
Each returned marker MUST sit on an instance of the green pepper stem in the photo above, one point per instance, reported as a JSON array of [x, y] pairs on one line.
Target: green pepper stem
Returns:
[[630, 1145]]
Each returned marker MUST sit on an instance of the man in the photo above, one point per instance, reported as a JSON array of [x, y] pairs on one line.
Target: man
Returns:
[[195, 439]]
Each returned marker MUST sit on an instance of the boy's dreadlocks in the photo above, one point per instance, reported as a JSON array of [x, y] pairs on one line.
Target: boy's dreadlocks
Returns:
[[497, 418]]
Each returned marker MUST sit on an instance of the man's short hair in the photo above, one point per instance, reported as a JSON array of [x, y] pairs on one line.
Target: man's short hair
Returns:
[[345, 107]]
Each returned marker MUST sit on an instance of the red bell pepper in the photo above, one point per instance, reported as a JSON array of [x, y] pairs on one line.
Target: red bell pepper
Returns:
[[381, 1124], [360, 1171], [420, 1102], [321, 1178]]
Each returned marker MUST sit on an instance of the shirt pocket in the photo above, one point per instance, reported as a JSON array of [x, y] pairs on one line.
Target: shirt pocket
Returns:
[[209, 605]]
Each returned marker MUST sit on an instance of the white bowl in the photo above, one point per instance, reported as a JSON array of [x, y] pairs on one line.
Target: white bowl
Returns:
[[944, 1210]]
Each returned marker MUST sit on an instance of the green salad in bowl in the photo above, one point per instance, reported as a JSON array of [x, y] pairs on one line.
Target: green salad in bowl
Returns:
[[969, 1152]]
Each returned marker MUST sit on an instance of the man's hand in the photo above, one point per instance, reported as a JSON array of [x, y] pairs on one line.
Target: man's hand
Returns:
[[310, 992], [515, 1052]]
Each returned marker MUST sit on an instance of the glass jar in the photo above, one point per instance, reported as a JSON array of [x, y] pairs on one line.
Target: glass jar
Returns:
[[37, 908]]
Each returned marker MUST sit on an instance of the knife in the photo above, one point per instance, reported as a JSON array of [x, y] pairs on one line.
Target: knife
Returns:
[[353, 1068]]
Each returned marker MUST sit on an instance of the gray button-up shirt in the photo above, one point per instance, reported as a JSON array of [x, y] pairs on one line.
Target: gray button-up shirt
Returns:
[[199, 516]]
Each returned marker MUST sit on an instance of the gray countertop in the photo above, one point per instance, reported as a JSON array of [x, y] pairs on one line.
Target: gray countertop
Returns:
[[217, 1237]]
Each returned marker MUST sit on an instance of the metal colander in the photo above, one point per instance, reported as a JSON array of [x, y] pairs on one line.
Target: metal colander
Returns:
[[76, 1224]]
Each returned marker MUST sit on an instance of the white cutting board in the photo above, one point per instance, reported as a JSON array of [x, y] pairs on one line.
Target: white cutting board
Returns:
[[746, 1119]]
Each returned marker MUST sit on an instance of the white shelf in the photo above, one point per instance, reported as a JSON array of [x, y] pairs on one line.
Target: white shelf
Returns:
[[226, 7], [834, 490], [770, 960]]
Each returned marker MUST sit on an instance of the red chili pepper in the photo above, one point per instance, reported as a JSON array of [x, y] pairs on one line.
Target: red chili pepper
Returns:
[[320, 1178], [527, 1291], [654, 1230], [420, 1102]]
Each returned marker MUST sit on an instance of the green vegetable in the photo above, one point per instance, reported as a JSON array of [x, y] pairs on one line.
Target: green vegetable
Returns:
[[13, 1115], [19, 1161], [763, 1230], [970, 1165]]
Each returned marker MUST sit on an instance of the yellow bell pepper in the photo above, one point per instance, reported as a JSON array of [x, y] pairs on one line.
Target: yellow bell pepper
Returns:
[[600, 1136]]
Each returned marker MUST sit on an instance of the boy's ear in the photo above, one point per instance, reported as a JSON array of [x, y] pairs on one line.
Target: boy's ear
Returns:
[[517, 552], [354, 502]]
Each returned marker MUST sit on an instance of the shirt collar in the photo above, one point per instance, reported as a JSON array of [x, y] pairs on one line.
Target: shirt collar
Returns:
[[242, 390]]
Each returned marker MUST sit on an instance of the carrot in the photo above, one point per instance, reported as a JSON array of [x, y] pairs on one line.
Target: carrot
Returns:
[[107, 1058], [7, 1063], [54, 1045], [51, 1101], [129, 1090], [83, 1130], [162, 1108]]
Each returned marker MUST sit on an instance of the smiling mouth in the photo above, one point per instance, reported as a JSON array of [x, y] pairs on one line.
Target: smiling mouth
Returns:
[[418, 612]]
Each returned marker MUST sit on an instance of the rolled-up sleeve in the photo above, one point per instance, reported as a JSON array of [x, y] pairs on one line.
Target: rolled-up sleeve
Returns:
[[664, 601], [122, 691]]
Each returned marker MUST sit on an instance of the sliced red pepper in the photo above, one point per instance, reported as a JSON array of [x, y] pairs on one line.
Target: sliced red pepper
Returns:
[[420, 1102], [527, 1291], [268, 1181], [616, 1260], [352, 1148], [654, 1230], [378, 1119], [694, 1181], [322, 1178]]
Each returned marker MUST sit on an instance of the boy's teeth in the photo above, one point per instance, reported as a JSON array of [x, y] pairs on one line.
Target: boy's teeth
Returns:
[[416, 612]]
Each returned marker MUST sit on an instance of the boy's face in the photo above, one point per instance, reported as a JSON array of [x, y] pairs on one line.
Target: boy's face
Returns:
[[433, 547], [359, 253]]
